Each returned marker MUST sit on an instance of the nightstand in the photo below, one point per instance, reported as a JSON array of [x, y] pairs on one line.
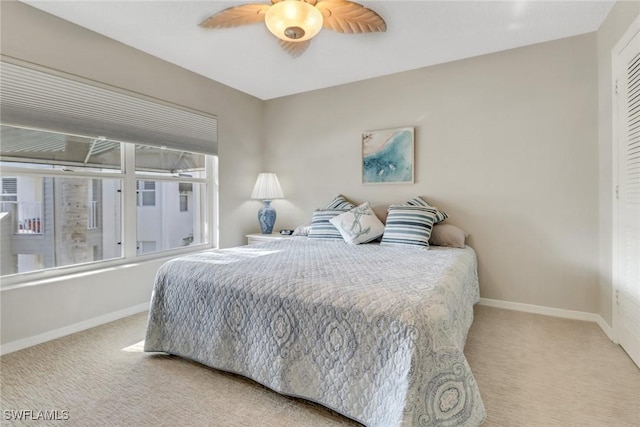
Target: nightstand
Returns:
[[254, 239]]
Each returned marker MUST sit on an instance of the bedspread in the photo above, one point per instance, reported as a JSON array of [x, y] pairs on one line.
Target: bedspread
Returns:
[[373, 332]]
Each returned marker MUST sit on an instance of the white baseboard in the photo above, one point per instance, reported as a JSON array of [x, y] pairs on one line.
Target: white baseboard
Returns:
[[539, 309], [551, 311], [71, 329], [608, 330]]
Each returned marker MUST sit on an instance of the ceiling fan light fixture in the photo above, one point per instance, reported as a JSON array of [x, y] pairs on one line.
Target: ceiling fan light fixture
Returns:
[[293, 20]]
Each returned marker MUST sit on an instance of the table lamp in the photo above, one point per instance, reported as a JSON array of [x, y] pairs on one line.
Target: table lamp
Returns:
[[266, 189]]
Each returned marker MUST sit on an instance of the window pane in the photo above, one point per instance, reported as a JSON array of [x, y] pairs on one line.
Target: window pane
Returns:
[[146, 247], [184, 202], [159, 160], [60, 221], [166, 223], [149, 198], [35, 146]]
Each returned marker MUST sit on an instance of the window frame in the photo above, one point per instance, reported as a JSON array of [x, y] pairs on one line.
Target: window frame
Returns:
[[129, 207]]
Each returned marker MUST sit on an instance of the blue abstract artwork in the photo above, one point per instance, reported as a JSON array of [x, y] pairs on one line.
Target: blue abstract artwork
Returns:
[[387, 156]]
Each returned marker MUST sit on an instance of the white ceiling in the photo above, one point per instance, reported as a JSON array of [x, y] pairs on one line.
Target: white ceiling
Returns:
[[248, 58]]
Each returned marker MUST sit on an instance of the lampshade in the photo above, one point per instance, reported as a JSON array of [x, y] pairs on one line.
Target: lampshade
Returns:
[[293, 20], [267, 187]]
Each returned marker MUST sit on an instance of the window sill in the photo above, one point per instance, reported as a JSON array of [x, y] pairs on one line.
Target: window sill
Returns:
[[62, 274]]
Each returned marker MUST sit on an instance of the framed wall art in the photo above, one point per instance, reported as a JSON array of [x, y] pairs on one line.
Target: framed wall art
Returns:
[[387, 156]]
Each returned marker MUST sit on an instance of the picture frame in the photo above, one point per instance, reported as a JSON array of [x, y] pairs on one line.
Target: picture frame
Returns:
[[388, 156]]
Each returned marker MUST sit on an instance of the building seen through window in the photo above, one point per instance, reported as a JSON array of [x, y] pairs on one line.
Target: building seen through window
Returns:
[[62, 200]]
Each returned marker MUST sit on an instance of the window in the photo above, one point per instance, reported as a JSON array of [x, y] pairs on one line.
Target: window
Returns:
[[9, 196], [55, 204], [87, 170], [69, 209], [24, 215], [9, 190], [186, 190], [184, 202], [146, 193]]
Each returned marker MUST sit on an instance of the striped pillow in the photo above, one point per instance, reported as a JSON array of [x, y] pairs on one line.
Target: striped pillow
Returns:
[[409, 226], [340, 202], [321, 228], [418, 201]]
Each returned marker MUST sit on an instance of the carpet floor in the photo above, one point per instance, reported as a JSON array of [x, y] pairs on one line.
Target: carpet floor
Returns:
[[532, 371]]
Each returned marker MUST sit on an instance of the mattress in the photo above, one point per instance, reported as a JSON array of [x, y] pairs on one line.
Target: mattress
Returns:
[[373, 332]]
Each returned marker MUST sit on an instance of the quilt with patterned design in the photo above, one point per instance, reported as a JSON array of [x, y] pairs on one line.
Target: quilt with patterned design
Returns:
[[375, 333]]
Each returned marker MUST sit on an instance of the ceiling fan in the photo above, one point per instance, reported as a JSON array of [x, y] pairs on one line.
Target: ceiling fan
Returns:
[[295, 22]]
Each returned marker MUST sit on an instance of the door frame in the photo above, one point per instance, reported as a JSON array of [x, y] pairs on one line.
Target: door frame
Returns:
[[626, 38]]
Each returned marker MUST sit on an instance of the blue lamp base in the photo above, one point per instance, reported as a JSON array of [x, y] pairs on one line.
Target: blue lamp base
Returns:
[[267, 217]]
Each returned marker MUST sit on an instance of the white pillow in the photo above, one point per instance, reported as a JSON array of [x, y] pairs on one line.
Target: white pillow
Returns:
[[302, 230], [359, 225]]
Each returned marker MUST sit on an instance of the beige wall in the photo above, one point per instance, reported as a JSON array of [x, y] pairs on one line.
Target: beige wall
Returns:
[[505, 143], [31, 35], [611, 30]]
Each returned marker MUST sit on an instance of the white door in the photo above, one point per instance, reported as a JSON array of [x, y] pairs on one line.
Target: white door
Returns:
[[627, 229]]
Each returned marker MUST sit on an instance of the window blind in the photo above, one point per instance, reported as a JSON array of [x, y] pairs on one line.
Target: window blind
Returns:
[[36, 98]]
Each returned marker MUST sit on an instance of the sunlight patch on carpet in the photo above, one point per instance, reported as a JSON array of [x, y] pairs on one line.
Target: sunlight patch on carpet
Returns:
[[135, 348]]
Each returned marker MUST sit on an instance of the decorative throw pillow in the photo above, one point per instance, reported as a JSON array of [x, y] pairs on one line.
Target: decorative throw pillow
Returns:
[[447, 235], [340, 202], [359, 225], [321, 227], [409, 226], [302, 230], [418, 201]]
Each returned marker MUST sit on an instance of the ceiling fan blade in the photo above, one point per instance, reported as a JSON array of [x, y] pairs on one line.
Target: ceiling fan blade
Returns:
[[294, 49], [347, 17], [311, 2], [236, 16]]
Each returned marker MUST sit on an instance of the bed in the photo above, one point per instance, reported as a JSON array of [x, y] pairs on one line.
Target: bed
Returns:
[[373, 332]]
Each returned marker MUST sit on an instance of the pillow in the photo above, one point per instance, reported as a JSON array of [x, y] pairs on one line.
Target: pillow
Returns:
[[409, 226], [340, 202], [418, 201], [321, 228], [447, 235], [359, 225], [302, 230]]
